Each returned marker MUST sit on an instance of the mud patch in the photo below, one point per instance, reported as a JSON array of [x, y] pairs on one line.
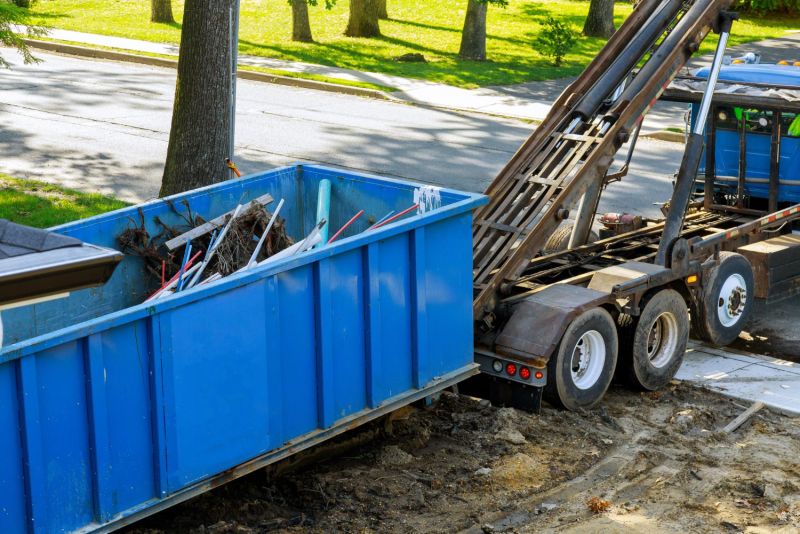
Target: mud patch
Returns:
[[658, 461]]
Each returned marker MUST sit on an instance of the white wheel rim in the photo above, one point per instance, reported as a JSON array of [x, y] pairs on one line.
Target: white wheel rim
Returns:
[[588, 359], [662, 340], [732, 299]]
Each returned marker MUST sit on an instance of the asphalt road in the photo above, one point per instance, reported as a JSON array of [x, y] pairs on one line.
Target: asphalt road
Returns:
[[103, 126]]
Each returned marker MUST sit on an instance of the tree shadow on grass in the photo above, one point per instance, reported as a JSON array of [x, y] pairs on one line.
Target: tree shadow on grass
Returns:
[[173, 24], [47, 16], [489, 36], [445, 68]]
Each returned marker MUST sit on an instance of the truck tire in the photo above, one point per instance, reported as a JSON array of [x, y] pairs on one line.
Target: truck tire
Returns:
[[582, 367], [651, 352], [559, 239], [727, 300]]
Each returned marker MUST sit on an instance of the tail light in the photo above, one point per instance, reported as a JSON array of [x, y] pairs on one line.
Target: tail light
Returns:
[[511, 369], [524, 373]]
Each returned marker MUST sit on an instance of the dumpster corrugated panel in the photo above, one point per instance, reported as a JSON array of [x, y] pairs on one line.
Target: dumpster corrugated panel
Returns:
[[105, 420]]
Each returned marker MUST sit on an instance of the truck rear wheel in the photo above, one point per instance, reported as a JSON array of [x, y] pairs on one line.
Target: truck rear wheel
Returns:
[[727, 300], [581, 370], [652, 352]]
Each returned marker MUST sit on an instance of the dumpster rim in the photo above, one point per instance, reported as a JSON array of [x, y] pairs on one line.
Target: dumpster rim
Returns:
[[145, 309]]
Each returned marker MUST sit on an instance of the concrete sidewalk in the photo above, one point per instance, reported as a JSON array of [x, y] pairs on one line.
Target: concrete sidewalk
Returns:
[[749, 377], [494, 101]]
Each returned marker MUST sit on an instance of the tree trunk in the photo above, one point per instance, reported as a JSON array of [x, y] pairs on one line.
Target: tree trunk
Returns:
[[383, 14], [161, 11], [301, 27], [363, 19], [600, 20], [198, 140], [473, 37]]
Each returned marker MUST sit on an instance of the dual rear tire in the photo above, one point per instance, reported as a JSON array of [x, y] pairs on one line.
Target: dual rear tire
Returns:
[[652, 349], [649, 353]]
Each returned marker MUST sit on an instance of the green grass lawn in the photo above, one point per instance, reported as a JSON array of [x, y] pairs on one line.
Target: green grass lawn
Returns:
[[42, 205], [432, 28]]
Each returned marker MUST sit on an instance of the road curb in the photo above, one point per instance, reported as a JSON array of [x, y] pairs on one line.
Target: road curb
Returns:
[[97, 53]]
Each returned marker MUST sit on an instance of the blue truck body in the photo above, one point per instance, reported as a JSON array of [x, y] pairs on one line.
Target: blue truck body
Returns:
[[112, 409], [758, 139]]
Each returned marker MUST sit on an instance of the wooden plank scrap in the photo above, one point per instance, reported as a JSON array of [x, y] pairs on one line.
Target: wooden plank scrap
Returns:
[[743, 417], [211, 225]]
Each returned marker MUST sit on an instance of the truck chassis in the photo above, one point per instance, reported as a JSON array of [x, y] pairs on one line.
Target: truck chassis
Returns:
[[567, 322]]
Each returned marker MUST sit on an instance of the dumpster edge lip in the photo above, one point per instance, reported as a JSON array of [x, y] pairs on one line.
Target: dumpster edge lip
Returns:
[[145, 309]]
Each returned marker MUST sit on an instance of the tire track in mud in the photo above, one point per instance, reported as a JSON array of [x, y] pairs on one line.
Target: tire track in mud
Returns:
[[605, 470]]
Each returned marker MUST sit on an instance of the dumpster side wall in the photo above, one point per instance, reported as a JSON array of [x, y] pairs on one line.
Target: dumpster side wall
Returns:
[[108, 420]]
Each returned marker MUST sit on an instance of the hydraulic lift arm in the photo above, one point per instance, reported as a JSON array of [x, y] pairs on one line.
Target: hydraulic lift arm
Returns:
[[694, 151], [571, 152]]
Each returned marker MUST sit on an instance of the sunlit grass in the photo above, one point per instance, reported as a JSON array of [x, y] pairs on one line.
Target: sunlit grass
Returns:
[[42, 205], [432, 28]]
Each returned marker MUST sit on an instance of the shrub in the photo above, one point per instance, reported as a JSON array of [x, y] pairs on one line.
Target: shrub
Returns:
[[764, 6], [555, 40]]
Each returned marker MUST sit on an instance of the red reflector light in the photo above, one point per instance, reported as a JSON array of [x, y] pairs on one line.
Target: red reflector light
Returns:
[[524, 373], [511, 369], [539, 375]]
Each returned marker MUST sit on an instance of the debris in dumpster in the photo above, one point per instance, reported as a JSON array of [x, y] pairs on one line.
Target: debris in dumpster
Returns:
[[226, 244], [168, 289], [324, 208], [312, 239], [254, 256], [242, 238], [428, 197], [190, 268], [394, 218], [215, 245], [238, 247], [381, 220], [200, 227], [136, 240], [186, 255], [345, 227]]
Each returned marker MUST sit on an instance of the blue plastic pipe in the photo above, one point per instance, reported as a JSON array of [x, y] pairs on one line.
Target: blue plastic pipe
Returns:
[[324, 209]]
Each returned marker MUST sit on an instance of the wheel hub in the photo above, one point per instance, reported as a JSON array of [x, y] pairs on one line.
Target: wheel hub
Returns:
[[588, 359], [662, 340], [732, 300]]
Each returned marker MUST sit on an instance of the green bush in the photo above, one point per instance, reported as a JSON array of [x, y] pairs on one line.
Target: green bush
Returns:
[[764, 6], [555, 40]]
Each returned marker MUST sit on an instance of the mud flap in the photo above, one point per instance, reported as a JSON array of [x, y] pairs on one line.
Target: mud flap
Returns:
[[504, 393], [537, 323]]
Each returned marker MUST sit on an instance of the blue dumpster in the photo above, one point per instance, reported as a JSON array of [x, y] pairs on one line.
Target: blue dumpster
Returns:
[[111, 409]]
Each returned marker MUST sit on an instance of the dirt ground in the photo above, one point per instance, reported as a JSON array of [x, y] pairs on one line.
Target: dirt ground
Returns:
[[639, 463]]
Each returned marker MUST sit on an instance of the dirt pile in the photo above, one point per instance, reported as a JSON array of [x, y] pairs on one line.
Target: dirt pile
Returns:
[[656, 463]]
